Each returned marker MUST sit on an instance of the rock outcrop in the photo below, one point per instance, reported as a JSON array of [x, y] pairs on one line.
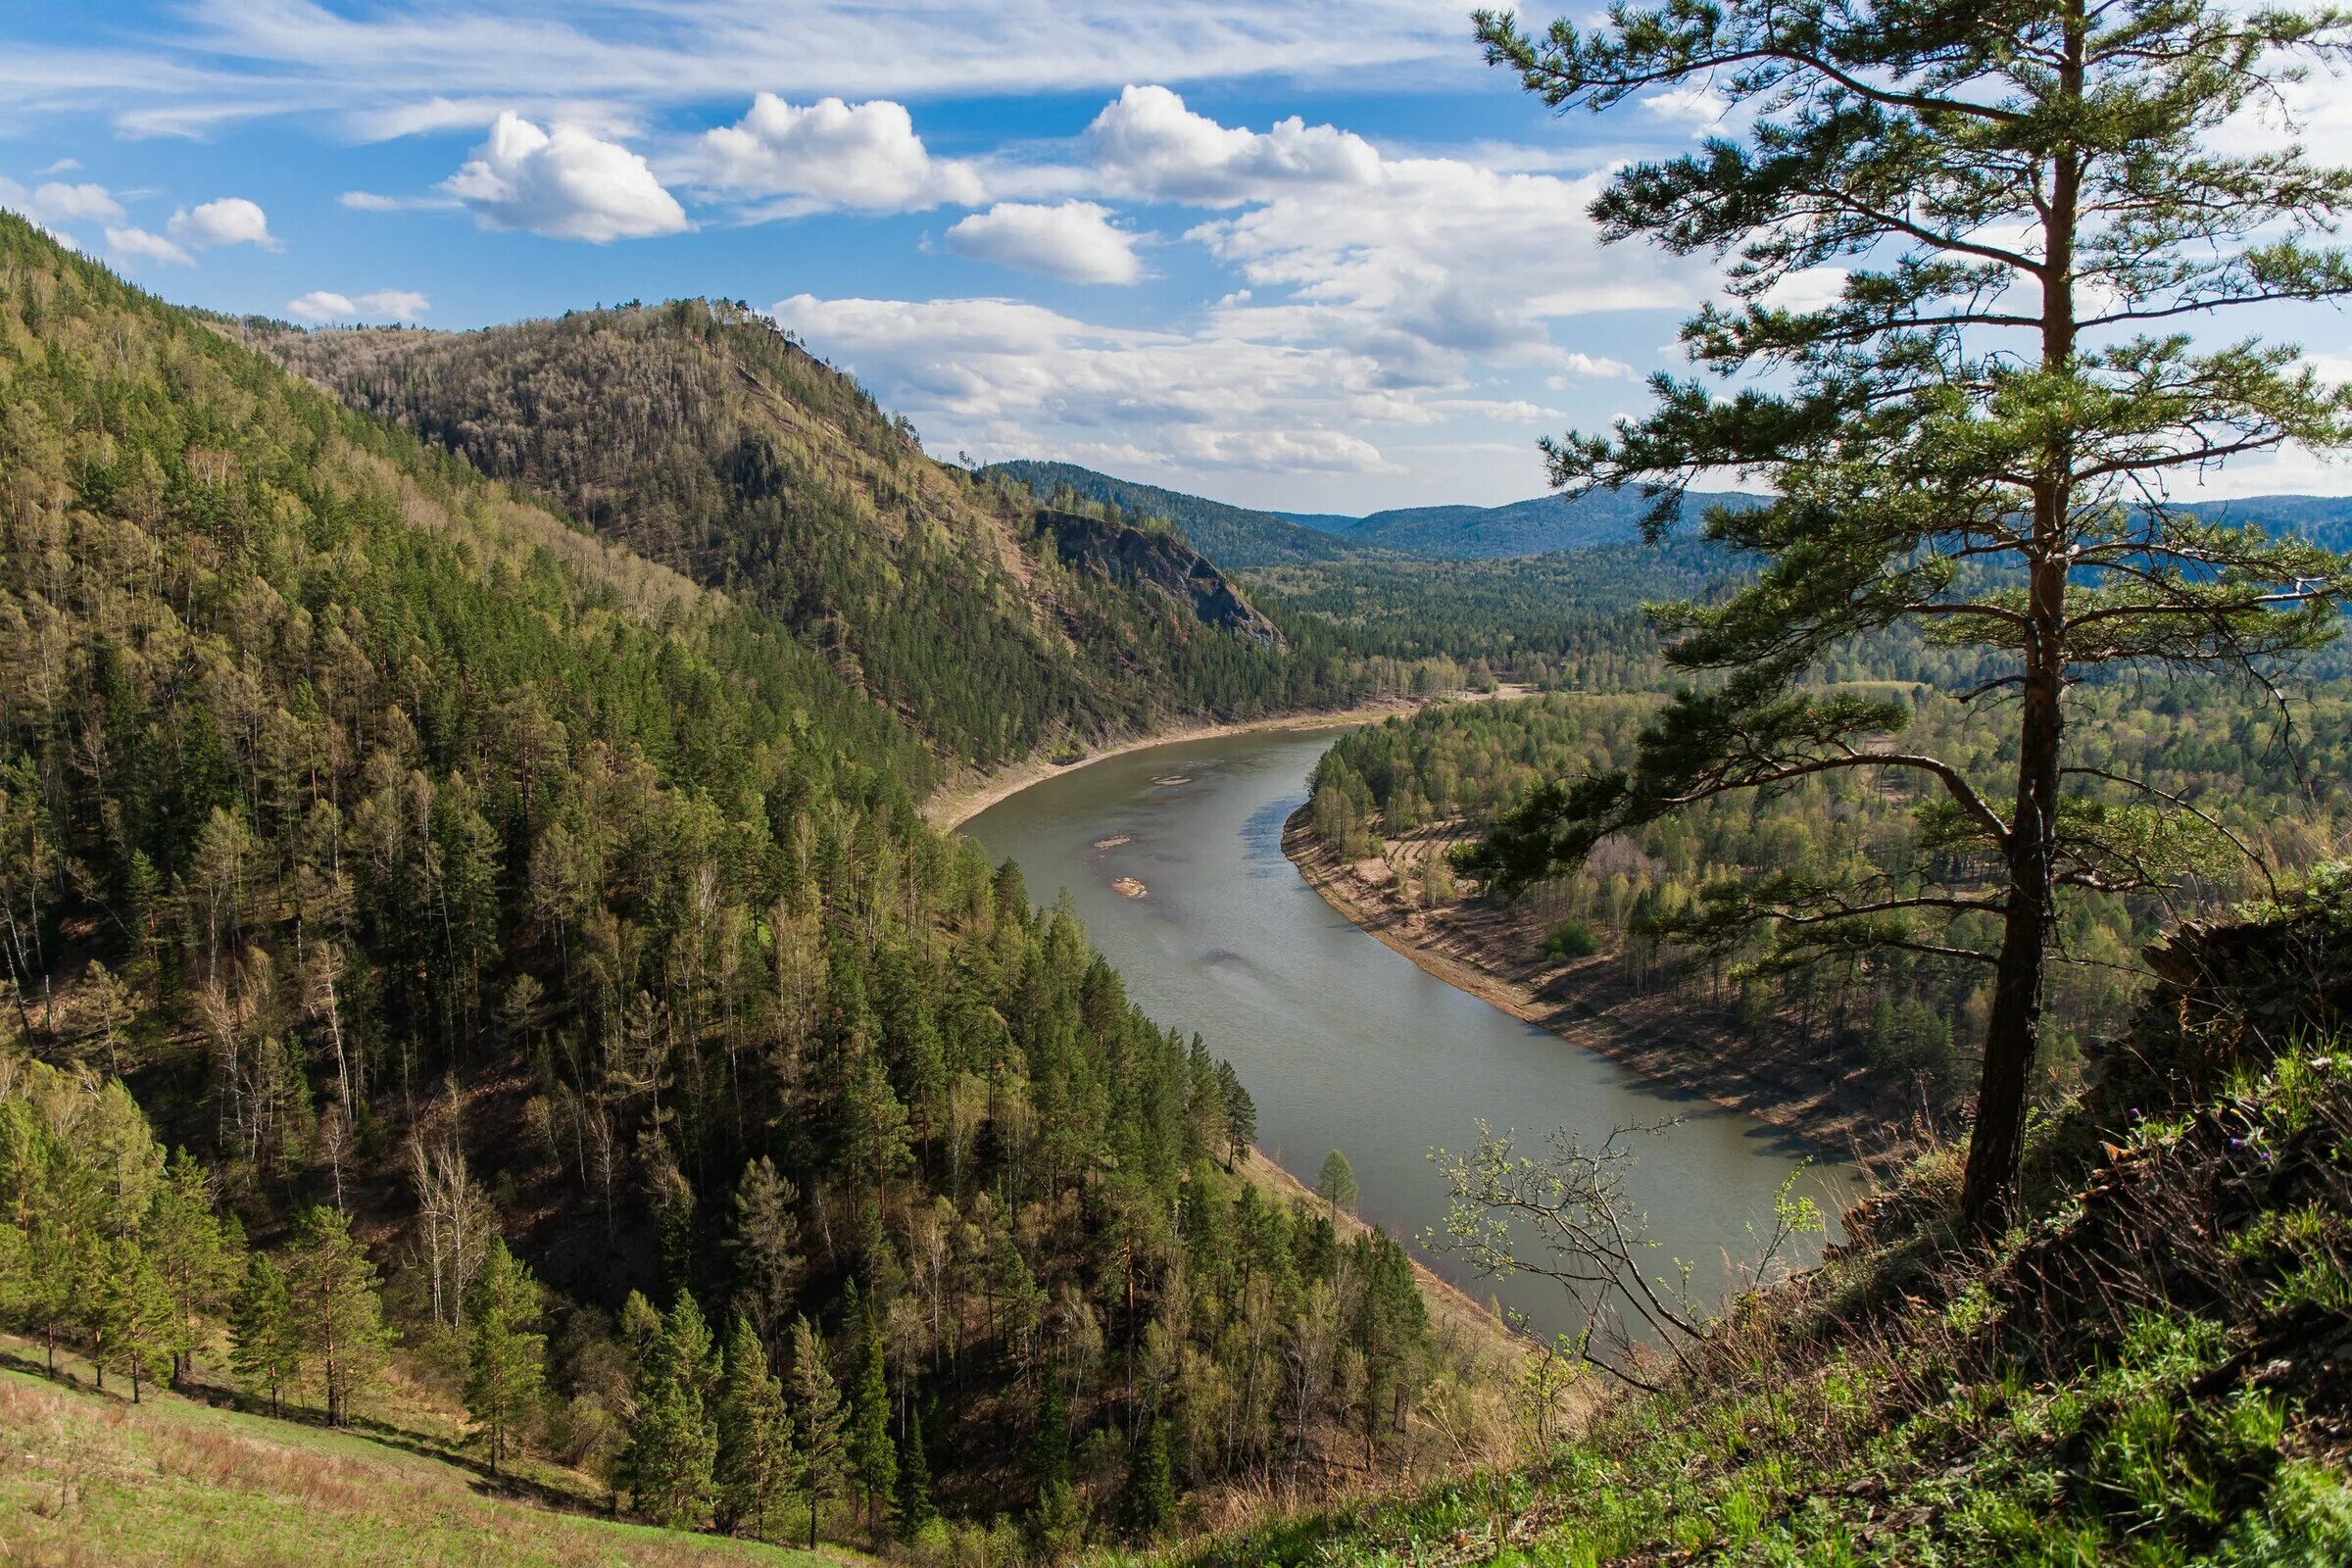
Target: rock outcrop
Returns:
[[1134, 558]]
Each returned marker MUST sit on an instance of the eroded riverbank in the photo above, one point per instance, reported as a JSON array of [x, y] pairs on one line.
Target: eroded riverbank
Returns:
[[1483, 950]]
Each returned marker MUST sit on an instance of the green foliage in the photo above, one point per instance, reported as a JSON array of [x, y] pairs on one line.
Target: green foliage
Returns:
[[1671, 899], [1571, 938], [265, 1346], [756, 1463], [819, 1449], [1334, 1183], [673, 1443], [338, 1313], [874, 1457], [505, 1359], [914, 1508]]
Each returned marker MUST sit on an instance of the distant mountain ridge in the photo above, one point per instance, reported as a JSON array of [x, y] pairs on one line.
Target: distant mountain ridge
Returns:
[[1234, 537], [1240, 538]]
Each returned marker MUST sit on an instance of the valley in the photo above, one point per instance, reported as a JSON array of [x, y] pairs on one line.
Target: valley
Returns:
[[1326, 811]]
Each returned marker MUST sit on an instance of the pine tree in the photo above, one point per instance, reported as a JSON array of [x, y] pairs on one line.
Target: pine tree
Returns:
[[915, 1509], [874, 1457], [191, 1246], [815, 1406], [131, 1316], [1055, 1526], [1979, 439], [336, 1313], [1149, 1499], [505, 1359], [673, 1445], [1240, 1114], [1334, 1183], [265, 1349], [755, 1461]]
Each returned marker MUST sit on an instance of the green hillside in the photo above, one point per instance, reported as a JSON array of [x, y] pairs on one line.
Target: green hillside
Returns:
[[699, 436], [428, 869], [169, 1481]]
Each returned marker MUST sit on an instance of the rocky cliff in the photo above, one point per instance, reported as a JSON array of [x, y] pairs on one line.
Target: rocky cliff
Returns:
[[1134, 559]]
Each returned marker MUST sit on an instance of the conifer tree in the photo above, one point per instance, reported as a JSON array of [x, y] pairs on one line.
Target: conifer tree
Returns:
[[1980, 437], [815, 1406], [1334, 1183], [132, 1327], [192, 1247], [1149, 1499], [337, 1314], [755, 1468], [874, 1457], [1055, 1526], [505, 1359], [915, 1509], [265, 1347], [674, 1444], [1240, 1114]]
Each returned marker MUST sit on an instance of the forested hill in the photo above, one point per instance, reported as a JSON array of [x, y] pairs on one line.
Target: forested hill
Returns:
[[442, 879], [1236, 538], [699, 436]]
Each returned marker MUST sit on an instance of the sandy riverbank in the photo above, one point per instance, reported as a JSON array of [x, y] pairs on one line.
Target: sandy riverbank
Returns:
[[959, 801], [1478, 949]]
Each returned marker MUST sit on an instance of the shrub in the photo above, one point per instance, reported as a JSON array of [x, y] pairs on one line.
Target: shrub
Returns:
[[1572, 939]]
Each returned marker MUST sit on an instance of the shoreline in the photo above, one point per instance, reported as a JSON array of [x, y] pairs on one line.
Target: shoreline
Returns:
[[1832, 1114], [956, 803]]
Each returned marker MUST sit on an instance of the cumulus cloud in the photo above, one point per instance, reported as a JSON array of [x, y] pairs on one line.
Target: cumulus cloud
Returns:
[[1577, 366], [230, 220], [832, 154], [138, 245], [1440, 261], [1006, 378], [565, 183], [382, 305], [1074, 241], [1147, 143], [60, 203]]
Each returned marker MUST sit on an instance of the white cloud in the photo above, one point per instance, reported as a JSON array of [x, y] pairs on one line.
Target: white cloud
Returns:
[[200, 62], [229, 221], [1814, 288], [383, 305], [58, 203], [832, 154], [1441, 260], [1147, 143], [323, 304], [63, 166], [564, 183], [997, 372], [1074, 241], [1577, 366], [1693, 103], [138, 245]]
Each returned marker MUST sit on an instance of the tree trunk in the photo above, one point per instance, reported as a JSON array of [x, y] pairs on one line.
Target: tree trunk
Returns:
[[2013, 1034]]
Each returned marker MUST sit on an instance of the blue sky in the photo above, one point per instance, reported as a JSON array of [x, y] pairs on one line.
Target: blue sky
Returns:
[[1305, 255]]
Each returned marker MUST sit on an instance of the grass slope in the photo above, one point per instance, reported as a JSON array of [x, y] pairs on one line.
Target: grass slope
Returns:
[[87, 1478]]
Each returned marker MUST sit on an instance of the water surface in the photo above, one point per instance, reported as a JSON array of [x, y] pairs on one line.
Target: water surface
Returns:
[[1345, 1042]]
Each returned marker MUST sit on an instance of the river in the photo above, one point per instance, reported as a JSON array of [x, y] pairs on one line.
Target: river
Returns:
[[1346, 1044]]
